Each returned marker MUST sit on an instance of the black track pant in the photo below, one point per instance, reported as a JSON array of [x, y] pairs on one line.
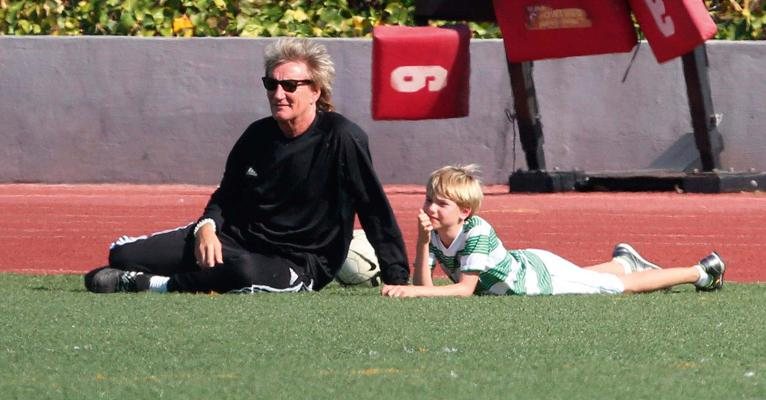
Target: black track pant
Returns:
[[171, 253]]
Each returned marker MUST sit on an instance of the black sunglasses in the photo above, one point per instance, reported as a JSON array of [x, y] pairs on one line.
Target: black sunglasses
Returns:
[[289, 85]]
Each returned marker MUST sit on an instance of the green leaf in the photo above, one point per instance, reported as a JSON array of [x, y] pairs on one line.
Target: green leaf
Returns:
[[24, 25], [129, 5], [250, 29], [158, 15], [126, 22], [201, 4], [295, 15]]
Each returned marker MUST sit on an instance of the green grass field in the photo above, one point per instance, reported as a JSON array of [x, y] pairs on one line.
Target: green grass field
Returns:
[[58, 341]]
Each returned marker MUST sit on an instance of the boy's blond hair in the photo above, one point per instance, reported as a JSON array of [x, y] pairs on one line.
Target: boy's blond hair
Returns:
[[459, 183]]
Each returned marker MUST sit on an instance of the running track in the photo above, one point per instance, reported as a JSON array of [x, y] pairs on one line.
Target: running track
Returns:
[[53, 229]]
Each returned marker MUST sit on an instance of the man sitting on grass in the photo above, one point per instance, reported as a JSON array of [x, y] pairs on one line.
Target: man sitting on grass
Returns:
[[282, 218], [473, 257]]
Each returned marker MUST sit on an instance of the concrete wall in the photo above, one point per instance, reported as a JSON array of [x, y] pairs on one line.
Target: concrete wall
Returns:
[[119, 109]]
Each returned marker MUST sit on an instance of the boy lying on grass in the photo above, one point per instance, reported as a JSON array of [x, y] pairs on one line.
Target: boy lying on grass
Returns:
[[473, 257]]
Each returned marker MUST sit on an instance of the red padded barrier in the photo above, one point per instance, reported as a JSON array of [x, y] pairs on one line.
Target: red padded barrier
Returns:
[[673, 27], [420, 72], [540, 29]]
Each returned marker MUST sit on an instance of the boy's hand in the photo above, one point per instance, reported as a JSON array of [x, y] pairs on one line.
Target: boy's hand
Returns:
[[424, 227], [398, 291]]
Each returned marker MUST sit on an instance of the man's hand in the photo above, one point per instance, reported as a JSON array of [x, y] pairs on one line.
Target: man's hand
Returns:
[[207, 249]]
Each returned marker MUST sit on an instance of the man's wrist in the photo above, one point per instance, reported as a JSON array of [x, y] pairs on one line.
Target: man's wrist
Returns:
[[203, 222]]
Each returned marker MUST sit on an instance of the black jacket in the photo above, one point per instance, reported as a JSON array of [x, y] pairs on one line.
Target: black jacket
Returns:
[[297, 198]]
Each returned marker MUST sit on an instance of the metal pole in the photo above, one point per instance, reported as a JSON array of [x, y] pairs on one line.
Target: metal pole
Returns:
[[704, 121], [527, 114]]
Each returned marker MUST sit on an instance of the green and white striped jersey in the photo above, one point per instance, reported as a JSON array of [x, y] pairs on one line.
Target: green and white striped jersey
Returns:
[[478, 249]]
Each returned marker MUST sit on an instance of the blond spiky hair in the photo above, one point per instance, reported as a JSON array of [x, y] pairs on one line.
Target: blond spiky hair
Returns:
[[459, 183], [320, 66]]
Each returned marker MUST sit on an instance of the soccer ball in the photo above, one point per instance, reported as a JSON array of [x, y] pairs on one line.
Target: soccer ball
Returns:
[[361, 266]]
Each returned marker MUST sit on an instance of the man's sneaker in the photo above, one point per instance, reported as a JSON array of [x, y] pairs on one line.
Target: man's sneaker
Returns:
[[626, 253], [715, 267], [110, 280]]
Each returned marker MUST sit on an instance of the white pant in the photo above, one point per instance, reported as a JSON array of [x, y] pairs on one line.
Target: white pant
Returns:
[[568, 278]]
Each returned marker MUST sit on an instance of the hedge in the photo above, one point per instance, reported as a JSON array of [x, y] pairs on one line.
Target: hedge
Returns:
[[736, 19]]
